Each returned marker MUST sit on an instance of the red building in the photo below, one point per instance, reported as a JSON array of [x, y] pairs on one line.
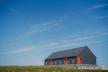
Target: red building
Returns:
[[81, 55]]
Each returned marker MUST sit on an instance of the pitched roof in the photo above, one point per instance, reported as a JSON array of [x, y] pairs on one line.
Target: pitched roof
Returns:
[[66, 53]]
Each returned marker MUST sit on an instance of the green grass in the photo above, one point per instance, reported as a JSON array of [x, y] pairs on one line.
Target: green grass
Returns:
[[42, 69]]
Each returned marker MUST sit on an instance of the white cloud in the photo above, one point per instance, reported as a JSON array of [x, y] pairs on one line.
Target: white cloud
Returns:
[[35, 29], [19, 50], [98, 6], [75, 41], [68, 41], [44, 27]]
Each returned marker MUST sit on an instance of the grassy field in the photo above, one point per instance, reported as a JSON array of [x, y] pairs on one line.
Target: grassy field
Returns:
[[42, 69]]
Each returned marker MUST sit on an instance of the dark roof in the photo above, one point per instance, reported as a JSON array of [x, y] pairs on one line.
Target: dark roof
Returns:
[[66, 53]]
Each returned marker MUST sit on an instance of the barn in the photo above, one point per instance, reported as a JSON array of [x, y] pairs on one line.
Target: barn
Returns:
[[80, 55]]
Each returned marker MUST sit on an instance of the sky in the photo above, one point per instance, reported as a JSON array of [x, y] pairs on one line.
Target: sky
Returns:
[[30, 30]]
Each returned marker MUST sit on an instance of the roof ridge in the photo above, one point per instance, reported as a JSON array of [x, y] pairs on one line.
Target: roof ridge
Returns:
[[71, 49]]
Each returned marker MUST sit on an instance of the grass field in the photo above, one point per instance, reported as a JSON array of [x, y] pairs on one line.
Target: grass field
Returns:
[[42, 69]]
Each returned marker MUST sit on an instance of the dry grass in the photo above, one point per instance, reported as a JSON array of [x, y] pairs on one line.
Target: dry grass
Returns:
[[42, 69]]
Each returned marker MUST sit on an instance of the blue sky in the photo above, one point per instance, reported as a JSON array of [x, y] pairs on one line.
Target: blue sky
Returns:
[[30, 30]]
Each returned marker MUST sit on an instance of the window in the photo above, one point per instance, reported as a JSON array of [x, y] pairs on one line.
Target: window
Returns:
[[46, 63], [60, 61], [55, 62], [72, 61]]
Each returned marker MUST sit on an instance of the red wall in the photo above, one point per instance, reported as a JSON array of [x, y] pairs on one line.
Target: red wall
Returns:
[[66, 60], [78, 60], [50, 62]]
